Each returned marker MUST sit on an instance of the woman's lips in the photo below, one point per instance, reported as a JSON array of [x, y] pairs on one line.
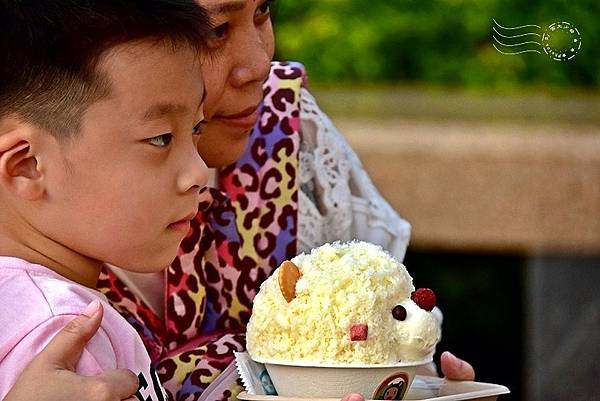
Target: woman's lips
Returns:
[[245, 119]]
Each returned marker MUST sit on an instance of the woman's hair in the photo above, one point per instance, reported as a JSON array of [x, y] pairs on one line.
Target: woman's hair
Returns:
[[50, 50]]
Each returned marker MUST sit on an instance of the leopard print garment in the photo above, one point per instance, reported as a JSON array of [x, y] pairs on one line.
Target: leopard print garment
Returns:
[[241, 233]]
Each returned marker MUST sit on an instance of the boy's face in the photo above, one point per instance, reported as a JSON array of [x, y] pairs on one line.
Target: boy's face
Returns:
[[126, 188]]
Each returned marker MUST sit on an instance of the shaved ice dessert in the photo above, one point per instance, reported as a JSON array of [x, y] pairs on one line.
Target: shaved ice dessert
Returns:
[[342, 304], [344, 318]]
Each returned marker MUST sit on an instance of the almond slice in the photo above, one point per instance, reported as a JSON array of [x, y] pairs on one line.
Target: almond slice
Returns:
[[288, 276]]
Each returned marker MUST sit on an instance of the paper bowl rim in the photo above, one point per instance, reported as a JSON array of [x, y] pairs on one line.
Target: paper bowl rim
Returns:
[[313, 364]]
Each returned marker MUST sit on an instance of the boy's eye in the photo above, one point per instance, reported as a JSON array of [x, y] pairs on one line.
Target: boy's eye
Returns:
[[161, 140], [219, 32], [199, 128]]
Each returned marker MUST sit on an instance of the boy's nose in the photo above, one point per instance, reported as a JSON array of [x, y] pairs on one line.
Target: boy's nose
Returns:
[[194, 175]]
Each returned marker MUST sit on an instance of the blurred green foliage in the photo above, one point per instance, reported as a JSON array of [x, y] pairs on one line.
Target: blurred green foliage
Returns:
[[438, 42]]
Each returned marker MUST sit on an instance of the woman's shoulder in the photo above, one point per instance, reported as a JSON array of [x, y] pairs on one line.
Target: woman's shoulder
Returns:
[[288, 69], [287, 74]]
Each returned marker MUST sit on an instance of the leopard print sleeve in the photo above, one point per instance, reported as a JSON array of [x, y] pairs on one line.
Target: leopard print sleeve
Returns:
[[248, 229]]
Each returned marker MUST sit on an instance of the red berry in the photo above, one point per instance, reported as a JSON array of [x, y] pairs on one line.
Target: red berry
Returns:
[[359, 332], [424, 297]]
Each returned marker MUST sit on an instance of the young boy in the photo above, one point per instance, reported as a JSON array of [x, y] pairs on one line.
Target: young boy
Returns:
[[100, 110]]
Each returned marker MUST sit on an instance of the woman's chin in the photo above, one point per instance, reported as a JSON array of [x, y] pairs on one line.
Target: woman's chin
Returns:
[[224, 154]]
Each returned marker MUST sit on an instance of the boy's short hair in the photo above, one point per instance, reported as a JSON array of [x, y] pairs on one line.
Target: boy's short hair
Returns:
[[50, 49]]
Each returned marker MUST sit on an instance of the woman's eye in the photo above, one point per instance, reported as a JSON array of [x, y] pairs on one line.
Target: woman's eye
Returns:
[[161, 140], [265, 8], [198, 128]]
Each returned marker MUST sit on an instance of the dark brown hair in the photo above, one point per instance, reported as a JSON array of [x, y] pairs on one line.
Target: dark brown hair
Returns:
[[50, 49]]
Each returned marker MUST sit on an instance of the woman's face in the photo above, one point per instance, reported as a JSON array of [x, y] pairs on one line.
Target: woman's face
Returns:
[[237, 64]]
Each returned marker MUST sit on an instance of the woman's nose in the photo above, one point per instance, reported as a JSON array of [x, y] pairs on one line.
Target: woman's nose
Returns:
[[253, 62]]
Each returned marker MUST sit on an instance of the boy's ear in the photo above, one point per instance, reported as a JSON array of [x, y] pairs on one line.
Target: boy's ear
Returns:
[[19, 169]]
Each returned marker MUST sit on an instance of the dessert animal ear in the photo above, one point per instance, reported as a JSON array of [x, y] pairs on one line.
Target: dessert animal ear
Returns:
[[288, 277]]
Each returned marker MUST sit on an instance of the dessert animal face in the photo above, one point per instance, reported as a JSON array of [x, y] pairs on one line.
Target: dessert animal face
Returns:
[[342, 303]]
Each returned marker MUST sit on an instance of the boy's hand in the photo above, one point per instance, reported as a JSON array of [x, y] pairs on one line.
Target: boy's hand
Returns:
[[55, 366]]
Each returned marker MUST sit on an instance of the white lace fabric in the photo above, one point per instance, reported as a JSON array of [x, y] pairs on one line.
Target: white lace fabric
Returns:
[[337, 200]]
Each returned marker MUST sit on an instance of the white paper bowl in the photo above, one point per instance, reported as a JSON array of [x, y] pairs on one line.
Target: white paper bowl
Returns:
[[335, 381]]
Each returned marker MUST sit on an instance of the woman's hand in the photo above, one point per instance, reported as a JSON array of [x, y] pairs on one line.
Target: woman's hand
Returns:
[[54, 368], [353, 397], [454, 368]]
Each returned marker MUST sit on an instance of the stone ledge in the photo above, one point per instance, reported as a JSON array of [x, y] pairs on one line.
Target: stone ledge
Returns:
[[487, 186]]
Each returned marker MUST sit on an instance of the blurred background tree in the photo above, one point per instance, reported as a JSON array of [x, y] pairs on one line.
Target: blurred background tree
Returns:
[[425, 71], [437, 42]]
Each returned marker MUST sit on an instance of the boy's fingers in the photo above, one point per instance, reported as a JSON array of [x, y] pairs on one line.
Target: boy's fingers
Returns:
[[65, 348], [454, 368]]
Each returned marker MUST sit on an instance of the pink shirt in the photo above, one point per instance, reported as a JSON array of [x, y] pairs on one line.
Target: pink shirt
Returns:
[[35, 303]]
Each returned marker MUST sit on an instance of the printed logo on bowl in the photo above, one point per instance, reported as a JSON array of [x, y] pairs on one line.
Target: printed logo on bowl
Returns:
[[392, 388], [266, 383]]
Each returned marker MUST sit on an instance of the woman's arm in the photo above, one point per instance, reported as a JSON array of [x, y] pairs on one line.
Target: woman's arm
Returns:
[[53, 368]]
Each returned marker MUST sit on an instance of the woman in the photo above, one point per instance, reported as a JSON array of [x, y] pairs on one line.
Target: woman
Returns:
[[287, 185], [288, 181]]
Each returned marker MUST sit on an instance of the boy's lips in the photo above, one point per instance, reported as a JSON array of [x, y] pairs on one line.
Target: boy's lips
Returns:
[[183, 224]]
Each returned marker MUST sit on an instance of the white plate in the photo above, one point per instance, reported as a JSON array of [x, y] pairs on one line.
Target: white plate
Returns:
[[423, 389]]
